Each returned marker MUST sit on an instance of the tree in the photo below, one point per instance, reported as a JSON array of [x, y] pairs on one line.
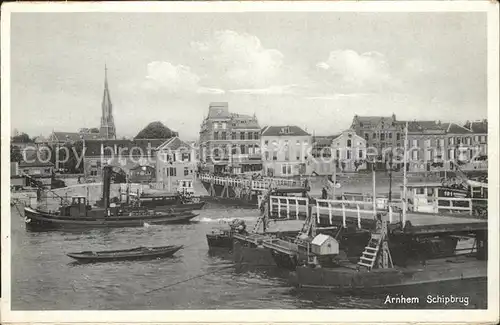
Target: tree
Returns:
[[15, 154], [156, 130], [94, 130], [22, 138]]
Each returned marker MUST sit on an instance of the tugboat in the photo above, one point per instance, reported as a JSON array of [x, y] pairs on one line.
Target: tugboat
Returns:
[[79, 214]]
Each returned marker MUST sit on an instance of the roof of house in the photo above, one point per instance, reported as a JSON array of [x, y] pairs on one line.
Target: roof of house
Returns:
[[276, 131], [73, 136], [218, 110], [174, 144], [323, 140], [418, 126], [374, 120], [136, 146], [456, 128], [477, 126]]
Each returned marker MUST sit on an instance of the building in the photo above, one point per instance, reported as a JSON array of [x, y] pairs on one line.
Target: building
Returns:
[[229, 142], [322, 161], [285, 151], [107, 129], [142, 174], [381, 134], [37, 168], [126, 154], [426, 147], [349, 151], [467, 145], [175, 161]]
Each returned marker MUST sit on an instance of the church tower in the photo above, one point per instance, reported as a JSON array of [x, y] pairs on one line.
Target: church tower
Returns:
[[107, 129]]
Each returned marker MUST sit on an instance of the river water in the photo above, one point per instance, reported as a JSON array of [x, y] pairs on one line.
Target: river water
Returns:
[[44, 278]]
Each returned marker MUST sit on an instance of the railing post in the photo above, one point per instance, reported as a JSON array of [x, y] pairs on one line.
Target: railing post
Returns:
[[287, 200], [343, 216], [390, 214], [359, 217], [279, 207], [330, 216], [297, 208], [317, 210]]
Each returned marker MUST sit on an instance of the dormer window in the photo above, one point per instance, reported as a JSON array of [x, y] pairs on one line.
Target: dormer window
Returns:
[[285, 130]]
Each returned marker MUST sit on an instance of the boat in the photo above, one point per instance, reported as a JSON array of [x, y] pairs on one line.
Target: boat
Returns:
[[138, 253], [37, 220], [79, 214], [160, 201]]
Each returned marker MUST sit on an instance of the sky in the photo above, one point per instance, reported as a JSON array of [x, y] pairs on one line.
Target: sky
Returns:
[[315, 70]]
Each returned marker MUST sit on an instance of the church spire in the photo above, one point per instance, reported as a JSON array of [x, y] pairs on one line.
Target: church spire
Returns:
[[107, 121]]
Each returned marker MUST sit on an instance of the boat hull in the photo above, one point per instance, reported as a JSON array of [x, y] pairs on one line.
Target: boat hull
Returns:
[[40, 221], [125, 255], [385, 281]]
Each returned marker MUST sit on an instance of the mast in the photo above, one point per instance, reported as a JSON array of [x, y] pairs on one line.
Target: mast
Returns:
[[374, 192], [404, 174]]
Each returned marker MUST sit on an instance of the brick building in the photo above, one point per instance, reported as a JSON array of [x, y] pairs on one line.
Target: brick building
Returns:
[[229, 142]]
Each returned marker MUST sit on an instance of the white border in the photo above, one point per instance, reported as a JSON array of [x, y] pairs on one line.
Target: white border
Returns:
[[263, 316]]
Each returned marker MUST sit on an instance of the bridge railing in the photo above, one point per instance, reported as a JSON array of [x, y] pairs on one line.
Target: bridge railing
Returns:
[[290, 207], [257, 185]]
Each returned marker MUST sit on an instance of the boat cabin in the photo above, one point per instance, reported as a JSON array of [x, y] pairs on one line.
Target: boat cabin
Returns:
[[77, 208], [159, 199]]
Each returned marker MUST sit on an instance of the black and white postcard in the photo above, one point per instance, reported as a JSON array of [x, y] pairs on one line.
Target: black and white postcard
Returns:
[[250, 162]]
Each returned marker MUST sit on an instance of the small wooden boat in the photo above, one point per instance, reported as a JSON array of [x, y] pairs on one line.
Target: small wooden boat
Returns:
[[138, 253]]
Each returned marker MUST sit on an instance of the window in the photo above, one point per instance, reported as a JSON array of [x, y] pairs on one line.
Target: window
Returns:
[[275, 155], [93, 173], [287, 155], [360, 154], [223, 135], [223, 125], [367, 136], [483, 139], [374, 135], [98, 164], [349, 143], [172, 171], [266, 143], [216, 125], [242, 136], [398, 136], [186, 157], [450, 141], [382, 136], [233, 135], [441, 143], [476, 138], [428, 143], [348, 153], [414, 155], [256, 136], [216, 135], [451, 154], [337, 153], [390, 135], [415, 143], [242, 147], [306, 143], [250, 136], [186, 171]]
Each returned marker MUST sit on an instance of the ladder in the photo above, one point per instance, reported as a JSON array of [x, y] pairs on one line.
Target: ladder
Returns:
[[306, 228], [370, 254]]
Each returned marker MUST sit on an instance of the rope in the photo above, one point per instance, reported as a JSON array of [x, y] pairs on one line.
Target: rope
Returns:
[[205, 274]]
